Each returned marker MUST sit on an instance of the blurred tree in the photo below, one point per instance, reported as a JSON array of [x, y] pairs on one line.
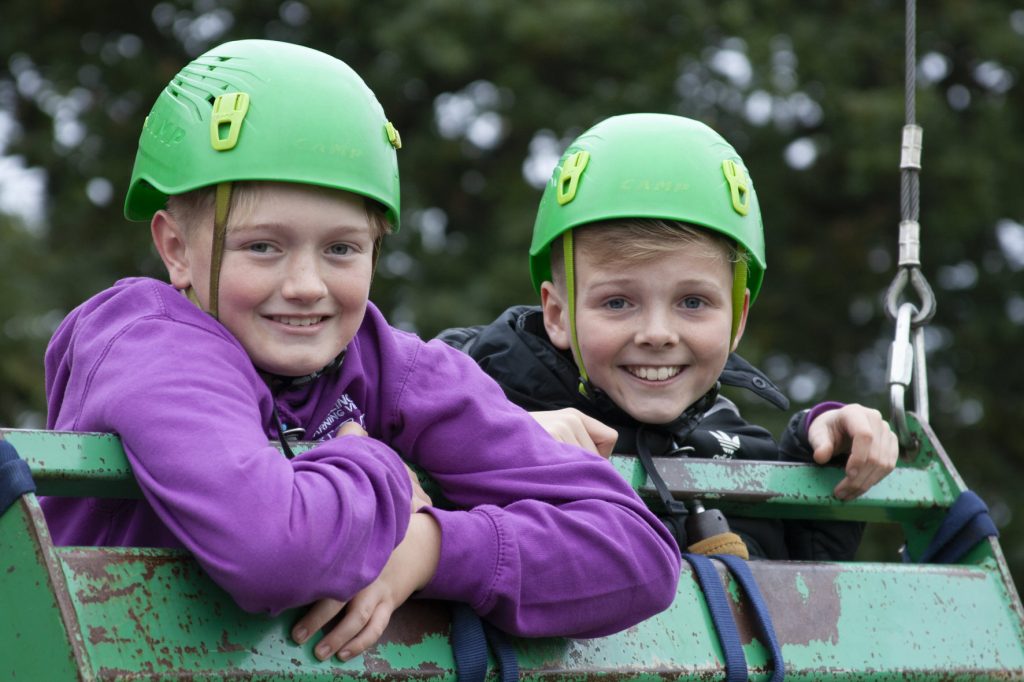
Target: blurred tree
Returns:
[[488, 93]]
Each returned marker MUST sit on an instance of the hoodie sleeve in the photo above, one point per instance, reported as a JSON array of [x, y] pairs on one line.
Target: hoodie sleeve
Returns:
[[547, 539], [274, 533]]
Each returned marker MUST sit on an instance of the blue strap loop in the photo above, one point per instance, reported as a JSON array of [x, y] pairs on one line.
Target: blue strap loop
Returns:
[[966, 524], [721, 616], [470, 637], [503, 652], [469, 644], [15, 476], [763, 619]]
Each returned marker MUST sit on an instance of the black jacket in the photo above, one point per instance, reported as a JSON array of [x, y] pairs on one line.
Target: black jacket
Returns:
[[516, 352]]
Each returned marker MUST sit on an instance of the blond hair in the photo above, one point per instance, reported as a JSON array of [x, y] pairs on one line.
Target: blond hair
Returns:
[[195, 208], [632, 241]]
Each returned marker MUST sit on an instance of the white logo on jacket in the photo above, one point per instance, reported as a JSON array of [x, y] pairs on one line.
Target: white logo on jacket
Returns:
[[730, 444], [344, 410]]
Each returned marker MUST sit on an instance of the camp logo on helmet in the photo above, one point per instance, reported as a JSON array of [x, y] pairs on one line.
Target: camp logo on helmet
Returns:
[[163, 130], [648, 185], [309, 144]]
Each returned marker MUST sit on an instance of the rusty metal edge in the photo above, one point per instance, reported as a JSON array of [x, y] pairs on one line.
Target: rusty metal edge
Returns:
[[43, 547]]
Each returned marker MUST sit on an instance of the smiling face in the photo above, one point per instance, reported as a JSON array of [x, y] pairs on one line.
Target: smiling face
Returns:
[[295, 275], [653, 332]]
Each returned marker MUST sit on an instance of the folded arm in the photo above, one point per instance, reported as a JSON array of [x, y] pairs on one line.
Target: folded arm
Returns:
[[274, 533], [547, 539]]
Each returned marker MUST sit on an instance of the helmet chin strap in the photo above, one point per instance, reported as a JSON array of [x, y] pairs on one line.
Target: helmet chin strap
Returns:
[[739, 293], [222, 206], [569, 257], [220, 221]]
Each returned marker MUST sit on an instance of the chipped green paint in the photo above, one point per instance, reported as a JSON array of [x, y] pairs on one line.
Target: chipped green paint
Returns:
[[94, 464], [410, 656], [789, 490], [75, 464], [801, 588], [108, 613]]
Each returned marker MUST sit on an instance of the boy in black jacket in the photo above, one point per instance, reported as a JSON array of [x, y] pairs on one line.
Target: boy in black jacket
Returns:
[[647, 251]]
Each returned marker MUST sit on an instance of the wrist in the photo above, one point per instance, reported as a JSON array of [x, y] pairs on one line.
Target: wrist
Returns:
[[425, 533]]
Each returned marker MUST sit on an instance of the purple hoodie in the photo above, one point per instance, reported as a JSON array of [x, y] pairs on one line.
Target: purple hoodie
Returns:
[[548, 539]]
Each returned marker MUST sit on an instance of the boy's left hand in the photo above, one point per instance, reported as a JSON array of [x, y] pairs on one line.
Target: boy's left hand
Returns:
[[865, 435], [569, 425]]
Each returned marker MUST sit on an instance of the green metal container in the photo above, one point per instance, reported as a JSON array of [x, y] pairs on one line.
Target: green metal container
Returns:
[[94, 613]]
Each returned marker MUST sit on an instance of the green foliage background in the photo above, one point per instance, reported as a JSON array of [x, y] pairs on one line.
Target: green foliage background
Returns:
[[486, 93]]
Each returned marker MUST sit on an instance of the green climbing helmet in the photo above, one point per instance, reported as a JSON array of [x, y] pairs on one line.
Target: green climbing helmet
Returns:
[[265, 110], [650, 166]]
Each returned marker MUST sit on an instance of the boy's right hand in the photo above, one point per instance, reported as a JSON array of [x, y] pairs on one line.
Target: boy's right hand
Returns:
[[864, 435], [569, 425]]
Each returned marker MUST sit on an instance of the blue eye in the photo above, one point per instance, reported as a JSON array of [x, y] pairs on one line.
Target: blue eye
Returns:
[[692, 302], [259, 247], [616, 303], [340, 249]]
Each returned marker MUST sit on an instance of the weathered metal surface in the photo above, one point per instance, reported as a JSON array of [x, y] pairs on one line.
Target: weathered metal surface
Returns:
[[75, 464], [893, 621], [921, 484], [94, 464], [780, 490], [154, 614], [931, 451], [150, 612]]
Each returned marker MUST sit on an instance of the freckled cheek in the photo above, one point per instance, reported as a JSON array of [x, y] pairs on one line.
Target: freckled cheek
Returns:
[[351, 294], [246, 298], [712, 338], [598, 355]]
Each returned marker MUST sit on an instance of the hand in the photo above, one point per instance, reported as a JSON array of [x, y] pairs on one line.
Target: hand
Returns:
[[410, 568], [865, 435], [419, 496], [351, 428], [569, 425]]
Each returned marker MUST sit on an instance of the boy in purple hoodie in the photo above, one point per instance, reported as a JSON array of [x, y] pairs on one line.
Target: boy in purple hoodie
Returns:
[[268, 173]]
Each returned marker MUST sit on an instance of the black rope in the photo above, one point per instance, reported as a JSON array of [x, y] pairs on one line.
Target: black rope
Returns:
[[910, 193]]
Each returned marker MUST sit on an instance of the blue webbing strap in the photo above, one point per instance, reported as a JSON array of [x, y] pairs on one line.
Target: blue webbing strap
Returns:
[[503, 652], [15, 476], [721, 616], [469, 644], [470, 636], [966, 524], [741, 571]]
